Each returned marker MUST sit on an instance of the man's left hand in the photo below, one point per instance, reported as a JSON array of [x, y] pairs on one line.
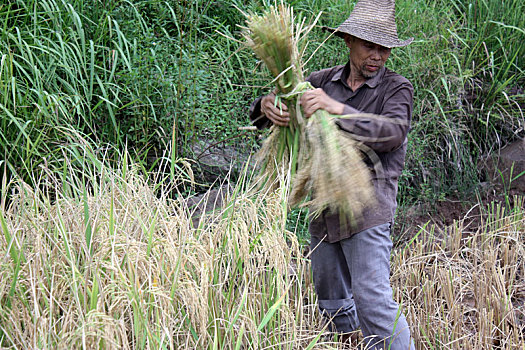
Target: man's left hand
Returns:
[[313, 100]]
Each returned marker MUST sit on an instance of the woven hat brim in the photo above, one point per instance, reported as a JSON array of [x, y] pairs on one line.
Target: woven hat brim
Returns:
[[379, 41]]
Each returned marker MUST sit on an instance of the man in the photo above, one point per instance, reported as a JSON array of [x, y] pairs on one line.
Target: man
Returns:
[[351, 265]]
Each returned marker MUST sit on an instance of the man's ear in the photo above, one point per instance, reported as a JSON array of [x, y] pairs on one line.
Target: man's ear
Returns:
[[348, 40]]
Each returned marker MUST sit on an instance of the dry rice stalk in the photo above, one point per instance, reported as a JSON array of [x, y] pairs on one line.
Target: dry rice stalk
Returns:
[[150, 278], [335, 175], [465, 291], [274, 39], [323, 162]]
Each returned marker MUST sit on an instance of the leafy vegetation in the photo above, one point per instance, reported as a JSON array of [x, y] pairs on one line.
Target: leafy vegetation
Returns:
[[157, 76], [468, 73], [122, 74]]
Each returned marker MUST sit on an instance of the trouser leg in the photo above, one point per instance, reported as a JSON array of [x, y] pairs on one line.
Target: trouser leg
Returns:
[[333, 285], [367, 255]]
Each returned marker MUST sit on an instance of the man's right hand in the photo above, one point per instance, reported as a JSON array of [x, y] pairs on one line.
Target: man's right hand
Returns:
[[277, 113]]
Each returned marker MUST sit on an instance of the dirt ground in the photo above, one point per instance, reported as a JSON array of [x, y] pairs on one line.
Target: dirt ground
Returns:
[[444, 213]]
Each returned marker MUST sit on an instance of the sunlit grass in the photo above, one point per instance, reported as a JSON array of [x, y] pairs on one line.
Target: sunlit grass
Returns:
[[113, 263]]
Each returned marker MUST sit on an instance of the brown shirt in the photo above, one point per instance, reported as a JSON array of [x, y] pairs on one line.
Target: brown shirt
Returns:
[[387, 94]]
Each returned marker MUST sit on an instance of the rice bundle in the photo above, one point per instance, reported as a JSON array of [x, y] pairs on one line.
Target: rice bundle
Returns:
[[273, 39], [324, 163]]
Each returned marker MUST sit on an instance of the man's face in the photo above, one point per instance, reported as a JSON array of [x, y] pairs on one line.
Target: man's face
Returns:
[[366, 58]]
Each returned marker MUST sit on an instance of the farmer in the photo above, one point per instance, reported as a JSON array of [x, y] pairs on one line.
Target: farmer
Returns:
[[351, 265]]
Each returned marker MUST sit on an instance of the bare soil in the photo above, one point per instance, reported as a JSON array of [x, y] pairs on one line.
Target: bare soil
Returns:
[[444, 213]]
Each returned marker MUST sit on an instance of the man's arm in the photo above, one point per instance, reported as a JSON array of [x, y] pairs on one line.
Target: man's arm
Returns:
[[263, 111], [383, 133], [387, 132], [313, 100]]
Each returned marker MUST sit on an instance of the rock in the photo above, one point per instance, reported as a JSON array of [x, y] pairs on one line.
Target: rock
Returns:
[[217, 160], [504, 169], [216, 165]]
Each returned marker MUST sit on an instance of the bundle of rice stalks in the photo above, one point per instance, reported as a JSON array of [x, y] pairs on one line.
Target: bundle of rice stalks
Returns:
[[323, 162], [274, 39]]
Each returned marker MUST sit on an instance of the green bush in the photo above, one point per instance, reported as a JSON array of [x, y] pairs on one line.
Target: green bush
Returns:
[[156, 76]]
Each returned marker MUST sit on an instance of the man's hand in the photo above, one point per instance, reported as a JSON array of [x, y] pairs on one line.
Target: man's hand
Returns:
[[278, 114], [313, 100]]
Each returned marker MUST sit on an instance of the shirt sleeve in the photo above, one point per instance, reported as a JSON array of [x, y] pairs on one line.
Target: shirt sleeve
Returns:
[[317, 78], [260, 121], [388, 131]]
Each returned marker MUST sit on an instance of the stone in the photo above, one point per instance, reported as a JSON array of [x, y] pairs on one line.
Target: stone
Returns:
[[208, 202], [507, 169], [216, 161]]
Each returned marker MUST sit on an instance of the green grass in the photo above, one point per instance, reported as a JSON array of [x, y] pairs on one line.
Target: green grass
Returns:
[[122, 74], [463, 67], [143, 75]]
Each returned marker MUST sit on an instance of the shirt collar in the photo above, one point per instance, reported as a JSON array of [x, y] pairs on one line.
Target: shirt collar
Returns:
[[342, 74]]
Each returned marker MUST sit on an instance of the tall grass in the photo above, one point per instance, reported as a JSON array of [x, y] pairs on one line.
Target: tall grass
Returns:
[[467, 69], [102, 70], [114, 262], [63, 72]]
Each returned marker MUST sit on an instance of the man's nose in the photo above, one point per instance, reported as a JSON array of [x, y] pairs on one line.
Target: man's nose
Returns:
[[376, 56]]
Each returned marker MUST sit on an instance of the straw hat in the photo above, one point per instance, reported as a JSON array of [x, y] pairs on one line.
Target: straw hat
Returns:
[[374, 21]]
